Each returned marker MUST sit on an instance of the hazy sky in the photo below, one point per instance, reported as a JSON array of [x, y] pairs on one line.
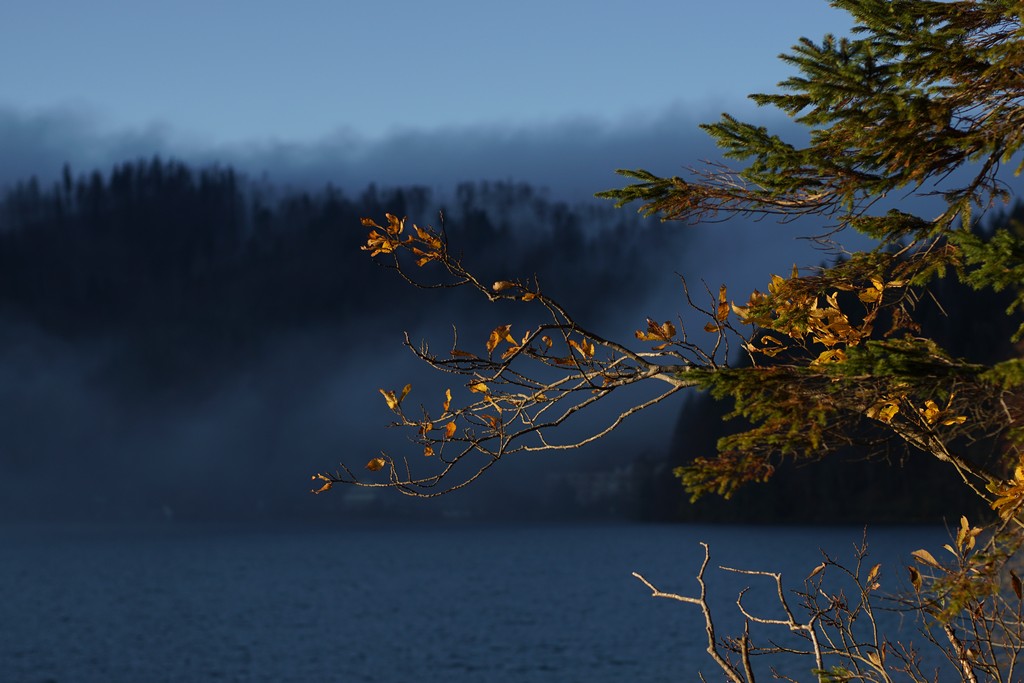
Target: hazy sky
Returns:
[[224, 72]]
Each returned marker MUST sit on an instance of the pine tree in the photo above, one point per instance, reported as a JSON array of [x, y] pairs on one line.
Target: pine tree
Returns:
[[924, 100]]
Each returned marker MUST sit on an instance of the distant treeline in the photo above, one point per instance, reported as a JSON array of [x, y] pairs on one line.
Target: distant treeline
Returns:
[[200, 265]]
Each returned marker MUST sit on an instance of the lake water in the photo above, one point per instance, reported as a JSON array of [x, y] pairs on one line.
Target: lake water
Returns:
[[454, 603]]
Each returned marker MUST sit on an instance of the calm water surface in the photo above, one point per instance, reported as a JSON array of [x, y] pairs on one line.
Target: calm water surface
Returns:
[[389, 604]]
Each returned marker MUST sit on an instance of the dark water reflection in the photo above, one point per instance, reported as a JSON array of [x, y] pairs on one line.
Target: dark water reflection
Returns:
[[446, 603]]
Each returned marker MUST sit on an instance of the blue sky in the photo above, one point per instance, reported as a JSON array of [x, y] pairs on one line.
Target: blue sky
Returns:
[[227, 74]]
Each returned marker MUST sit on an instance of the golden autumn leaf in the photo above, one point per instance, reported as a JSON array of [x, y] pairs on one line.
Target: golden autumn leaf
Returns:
[[499, 334], [427, 237], [395, 225], [915, 578], [585, 348], [447, 400], [389, 398], [449, 430], [830, 356], [966, 535], [510, 351], [547, 341], [394, 401], [870, 296], [1009, 498], [655, 332], [326, 485], [711, 327], [379, 243], [529, 296], [501, 285], [428, 451], [933, 414], [479, 388], [925, 557], [424, 259], [376, 464], [930, 412], [883, 411], [873, 574], [888, 412], [723, 305]]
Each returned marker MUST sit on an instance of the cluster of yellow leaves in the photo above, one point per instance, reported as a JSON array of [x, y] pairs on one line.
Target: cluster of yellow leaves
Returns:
[[720, 314], [425, 426], [584, 347], [500, 334], [872, 580], [663, 333], [327, 483], [932, 414], [830, 327], [803, 316], [873, 294], [503, 334], [1009, 494], [886, 408], [386, 239], [395, 402], [966, 538]]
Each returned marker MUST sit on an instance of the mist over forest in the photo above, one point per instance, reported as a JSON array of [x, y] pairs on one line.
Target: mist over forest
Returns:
[[183, 342], [190, 343]]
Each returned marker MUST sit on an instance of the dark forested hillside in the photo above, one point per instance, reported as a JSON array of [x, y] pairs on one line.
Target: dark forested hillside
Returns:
[[198, 265], [167, 332]]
